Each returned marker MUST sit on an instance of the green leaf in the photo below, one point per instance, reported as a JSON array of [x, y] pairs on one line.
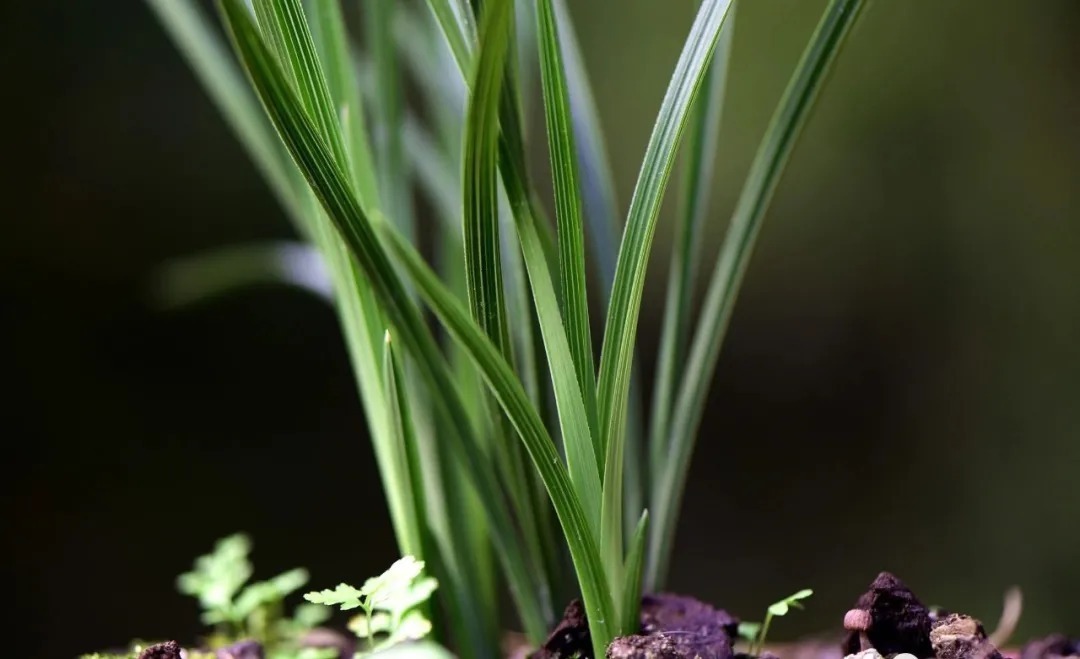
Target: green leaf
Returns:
[[285, 26], [597, 181], [363, 627], [412, 627], [390, 155], [393, 581], [781, 608], [483, 253], [330, 184], [573, 418], [343, 595], [308, 615], [483, 262], [455, 17], [604, 231], [219, 575], [629, 612], [262, 593], [407, 502], [749, 630], [777, 609], [571, 233], [206, 275], [694, 205], [507, 389], [625, 305], [435, 175], [765, 172], [332, 42]]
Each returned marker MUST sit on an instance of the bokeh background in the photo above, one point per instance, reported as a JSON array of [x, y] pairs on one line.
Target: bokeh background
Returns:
[[899, 389]]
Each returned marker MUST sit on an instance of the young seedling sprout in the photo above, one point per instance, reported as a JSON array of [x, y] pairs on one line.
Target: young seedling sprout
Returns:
[[756, 632], [391, 603]]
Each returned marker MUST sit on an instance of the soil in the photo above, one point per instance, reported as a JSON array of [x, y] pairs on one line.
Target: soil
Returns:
[[672, 626], [888, 621]]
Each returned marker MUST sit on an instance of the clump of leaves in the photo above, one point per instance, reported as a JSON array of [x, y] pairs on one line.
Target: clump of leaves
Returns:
[[392, 604], [241, 610], [755, 632]]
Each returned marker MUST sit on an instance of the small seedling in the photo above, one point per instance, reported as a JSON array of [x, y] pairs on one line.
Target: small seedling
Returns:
[[755, 632], [390, 603], [238, 609]]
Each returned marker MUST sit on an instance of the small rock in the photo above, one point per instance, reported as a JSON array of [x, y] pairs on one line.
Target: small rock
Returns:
[[1055, 646], [899, 622], [241, 650], [321, 637], [570, 638], [865, 654], [167, 650], [959, 636]]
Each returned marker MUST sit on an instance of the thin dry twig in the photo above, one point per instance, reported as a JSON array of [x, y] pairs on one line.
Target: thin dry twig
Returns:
[[1010, 615]]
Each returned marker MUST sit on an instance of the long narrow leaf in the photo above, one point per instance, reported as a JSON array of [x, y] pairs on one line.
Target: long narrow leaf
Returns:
[[405, 458], [285, 24], [631, 592], [603, 232], [393, 169], [564, 167], [483, 250], [618, 348], [765, 172], [333, 46], [597, 181], [483, 262], [595, 593], [572, 418], [207, 275], [694, 205], [334, 192], [455, 17]]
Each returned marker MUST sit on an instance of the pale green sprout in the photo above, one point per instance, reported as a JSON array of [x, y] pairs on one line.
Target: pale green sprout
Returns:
[[391, 603], [240, 610], [755, 632]]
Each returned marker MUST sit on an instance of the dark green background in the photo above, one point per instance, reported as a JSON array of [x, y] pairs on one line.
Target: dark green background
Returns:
[[899, 389]]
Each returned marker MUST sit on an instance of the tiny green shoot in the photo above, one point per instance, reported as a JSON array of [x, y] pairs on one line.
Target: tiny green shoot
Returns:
[[391, 604], [756, 632], [240, 610]]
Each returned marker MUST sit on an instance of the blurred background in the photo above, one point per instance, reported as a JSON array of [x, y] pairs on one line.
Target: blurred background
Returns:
[[899, 389]]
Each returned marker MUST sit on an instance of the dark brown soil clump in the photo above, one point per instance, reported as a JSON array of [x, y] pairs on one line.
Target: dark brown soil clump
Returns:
[[241, 650], [959, 636], [1055, 646], [899, 622], [570, 638], [167, 650], [672, 627]]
